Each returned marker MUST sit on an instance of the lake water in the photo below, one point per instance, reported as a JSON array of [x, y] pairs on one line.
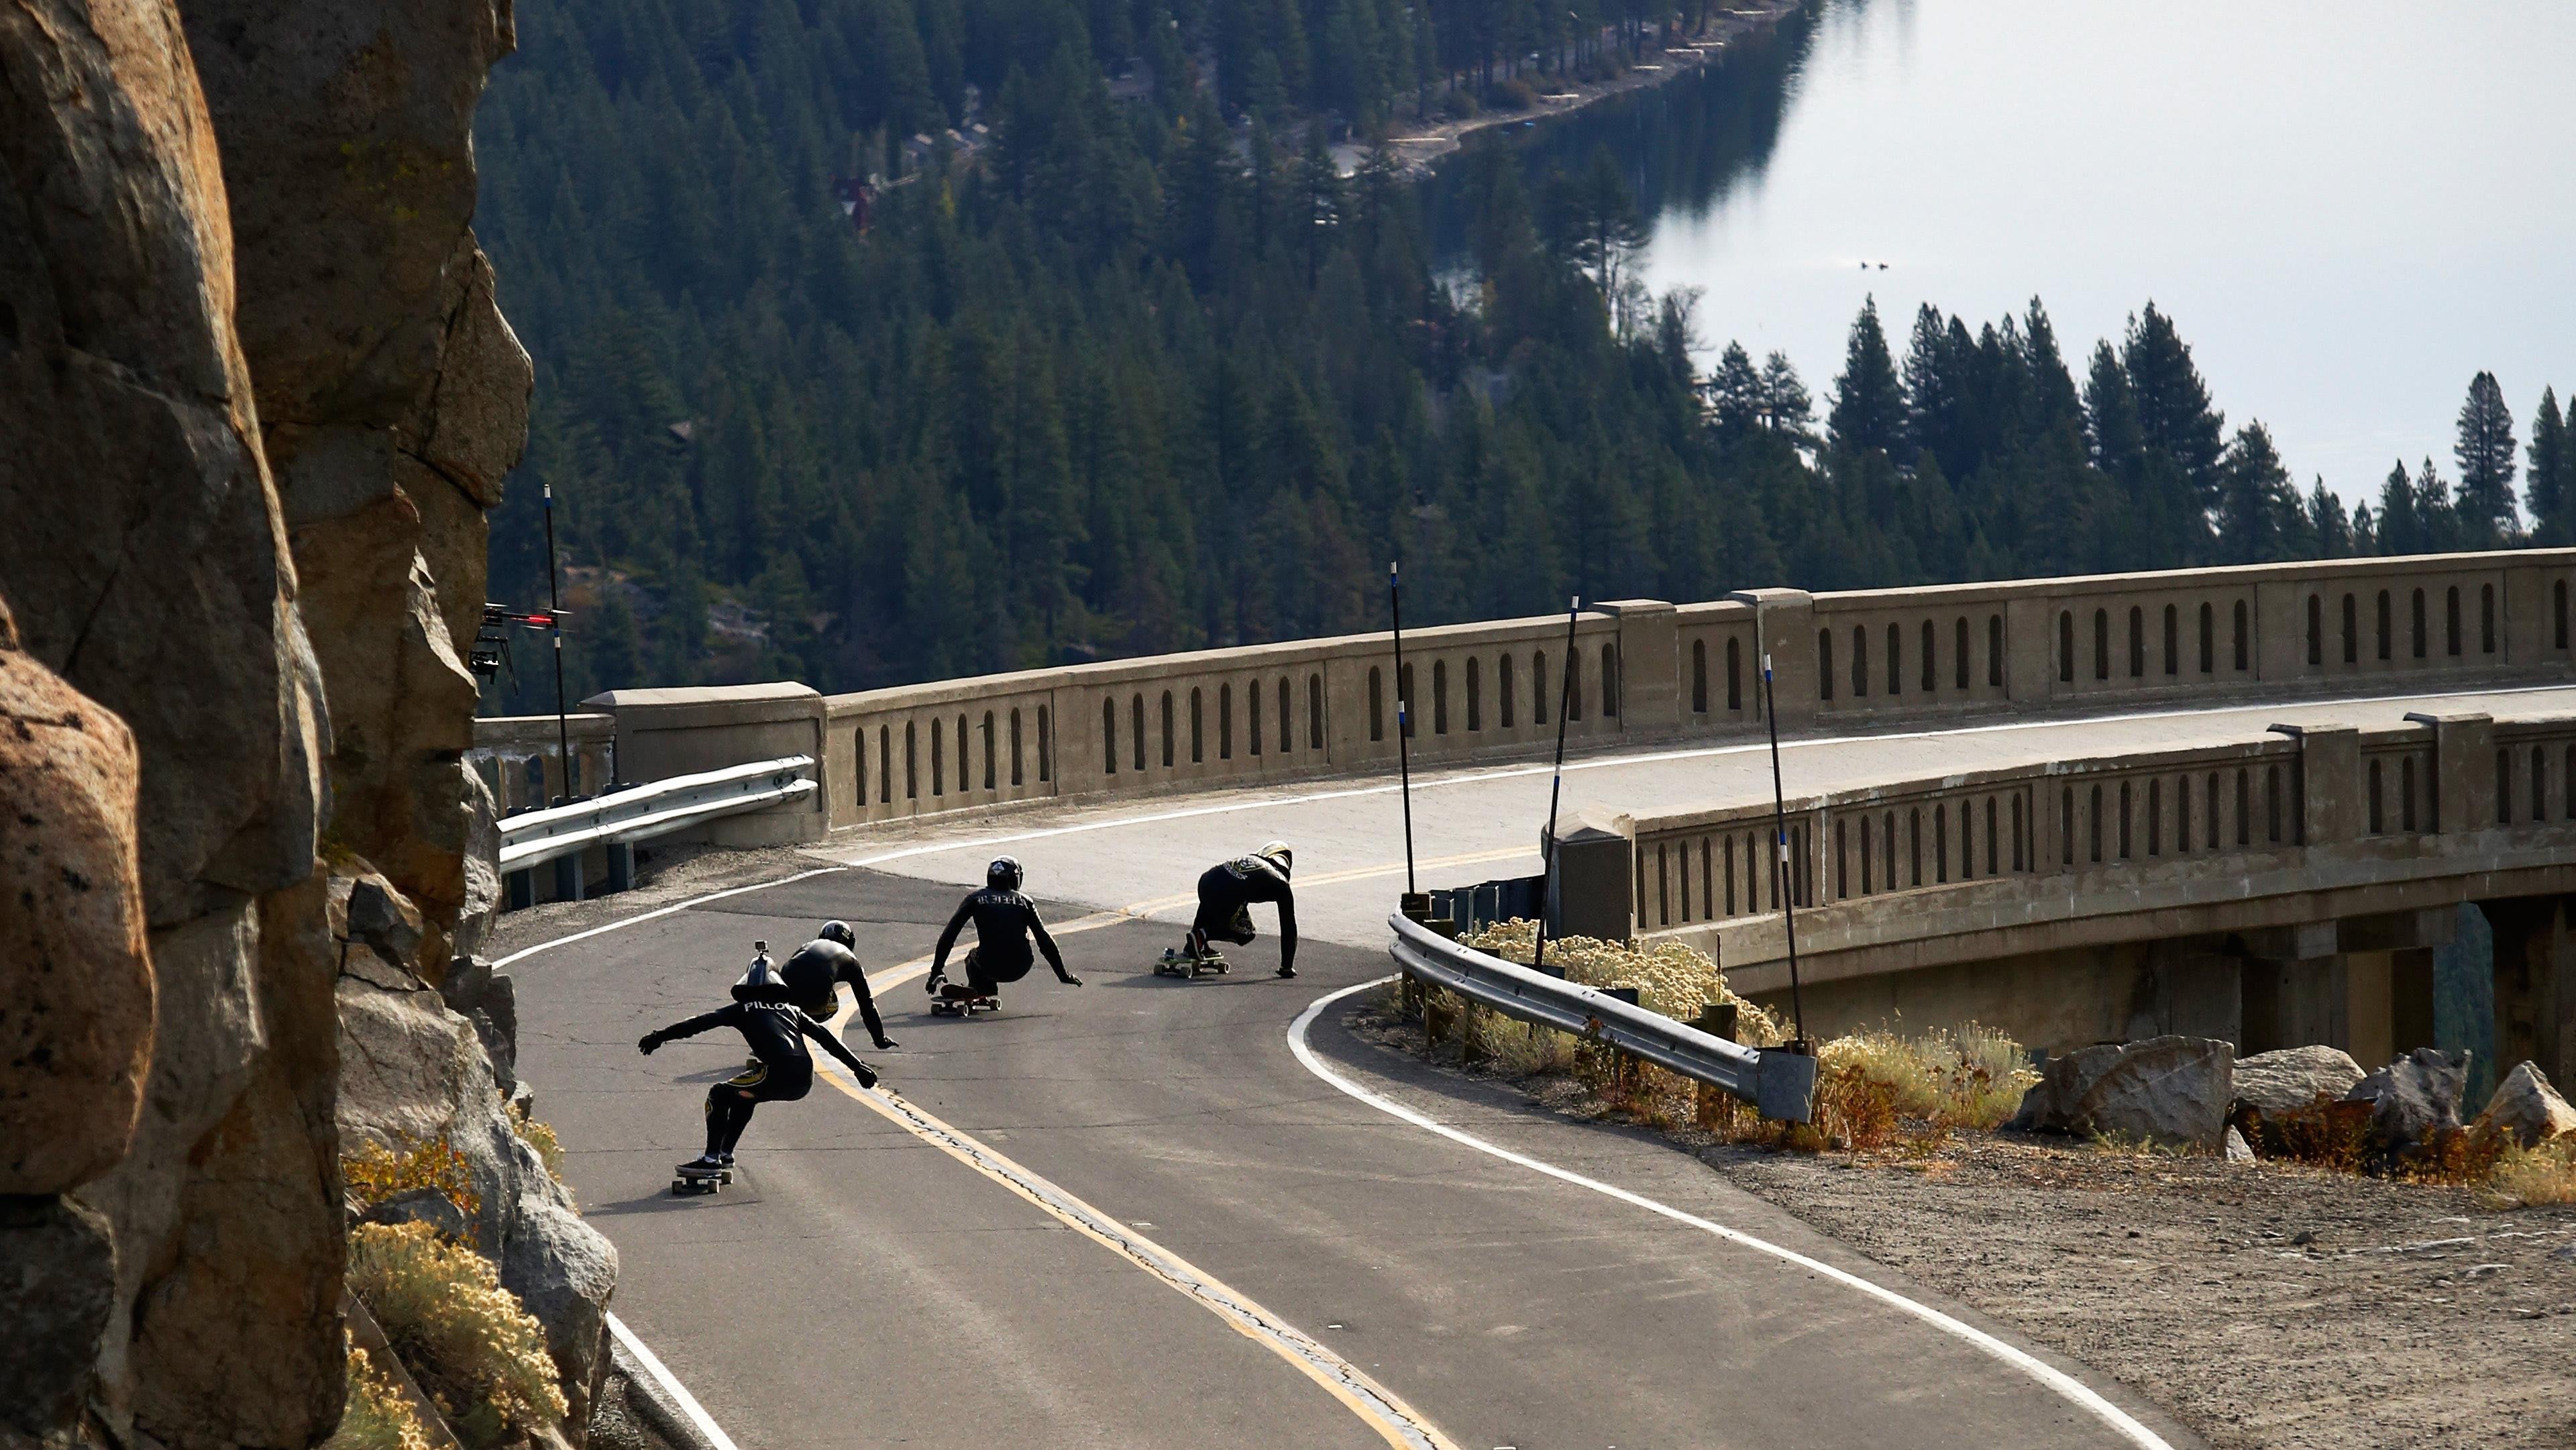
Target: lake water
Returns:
[[2348, 208]]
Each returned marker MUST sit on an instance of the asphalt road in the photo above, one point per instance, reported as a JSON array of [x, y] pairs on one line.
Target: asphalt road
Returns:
[[859, 1286], [868, 1282]]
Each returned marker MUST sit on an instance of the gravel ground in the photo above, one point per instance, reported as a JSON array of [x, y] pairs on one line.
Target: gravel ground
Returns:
[[2263, 1304]]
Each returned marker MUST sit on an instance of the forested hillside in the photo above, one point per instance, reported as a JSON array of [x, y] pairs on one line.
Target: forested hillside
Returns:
[[1122, 369]]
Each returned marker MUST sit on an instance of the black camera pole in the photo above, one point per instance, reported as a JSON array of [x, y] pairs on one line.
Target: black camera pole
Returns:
[[1788, 881], [554, 615], [1403, 714], [1556, 783]]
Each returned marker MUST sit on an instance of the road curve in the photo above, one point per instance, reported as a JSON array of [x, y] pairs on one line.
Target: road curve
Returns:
[[1485, 1268], [861, 1286]]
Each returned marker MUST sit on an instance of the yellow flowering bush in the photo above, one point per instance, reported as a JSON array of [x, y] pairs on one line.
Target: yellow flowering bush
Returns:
[[476, 1352], [376, 1416], [375, 1172]]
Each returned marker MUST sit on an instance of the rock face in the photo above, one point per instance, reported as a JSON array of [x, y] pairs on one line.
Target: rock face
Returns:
[[413, 1070], [75, 984], [2527, 1106], [2295, 1077], [393, 398], [2165, 1089], [255, 396], [2413, 1096]]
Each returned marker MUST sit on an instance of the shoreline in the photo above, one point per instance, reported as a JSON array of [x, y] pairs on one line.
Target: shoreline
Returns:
[[1417, 151]]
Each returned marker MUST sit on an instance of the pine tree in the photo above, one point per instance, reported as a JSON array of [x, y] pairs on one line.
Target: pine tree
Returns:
[[2175, 418], [1736, 396], [2259, 515], [1869, 406], [2485, 453], [1787, 408], [2552, 480]]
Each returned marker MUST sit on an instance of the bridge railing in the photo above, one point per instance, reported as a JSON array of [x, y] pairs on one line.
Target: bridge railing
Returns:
[[1642, 670], [2306, 824]]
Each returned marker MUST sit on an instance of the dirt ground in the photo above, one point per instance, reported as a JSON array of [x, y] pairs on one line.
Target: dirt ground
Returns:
[[2263, 1304]]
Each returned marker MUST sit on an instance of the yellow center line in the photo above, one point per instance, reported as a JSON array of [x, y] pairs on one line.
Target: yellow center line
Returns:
[[1396, 1422]]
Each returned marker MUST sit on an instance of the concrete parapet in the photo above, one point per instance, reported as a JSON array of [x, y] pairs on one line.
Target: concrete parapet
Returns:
[[665, 733]]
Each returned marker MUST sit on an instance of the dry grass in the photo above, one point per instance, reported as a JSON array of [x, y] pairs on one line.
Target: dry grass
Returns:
[[2542, 1174], [376, 1415], [476, 1352], [1671, 979], [540, 1135], [374, 1172]]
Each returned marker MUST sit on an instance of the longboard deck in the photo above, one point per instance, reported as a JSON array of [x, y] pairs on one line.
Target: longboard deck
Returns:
[[685, 1184], [1174, 964]]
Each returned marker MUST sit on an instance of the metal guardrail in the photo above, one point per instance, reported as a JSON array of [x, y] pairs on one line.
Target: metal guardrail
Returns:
[[641, 812], [1779, 1084]]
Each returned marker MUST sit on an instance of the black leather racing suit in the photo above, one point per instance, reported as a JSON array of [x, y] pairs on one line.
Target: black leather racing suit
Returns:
[[1004, 923], [775, 1032], [1226, 895], [813, 974]]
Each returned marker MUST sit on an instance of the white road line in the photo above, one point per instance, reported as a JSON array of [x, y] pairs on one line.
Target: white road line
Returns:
[[2055, 1379], [1615, 761], [671, 1385], [641, 917], [1400, 1425]]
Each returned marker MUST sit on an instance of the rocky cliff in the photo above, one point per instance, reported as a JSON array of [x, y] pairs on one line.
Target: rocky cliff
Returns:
[[256, 394]]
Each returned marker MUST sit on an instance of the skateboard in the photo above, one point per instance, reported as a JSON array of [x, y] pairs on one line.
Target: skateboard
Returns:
[[1180, 964], [956, 1001], [691, 1179]]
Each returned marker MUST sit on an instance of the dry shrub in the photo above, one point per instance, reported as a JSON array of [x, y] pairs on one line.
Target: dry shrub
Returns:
[[1670, 978], [2454, 1155], [2541, 1174], [375, 1172], [540, 1135], [476, 1352], [1517, 1049], [2327, 1133], [376, 1415], [1855, 1107], [1968, 1077]]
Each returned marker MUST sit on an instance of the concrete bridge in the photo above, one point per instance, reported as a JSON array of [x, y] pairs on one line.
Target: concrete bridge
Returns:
[[2037, 803], [2243, 802]]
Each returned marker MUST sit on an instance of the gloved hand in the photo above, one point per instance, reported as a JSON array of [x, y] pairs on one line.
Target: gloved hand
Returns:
[[866, 1075], [885, 1044], [648, 1042], [1069, 979], [935, 981]]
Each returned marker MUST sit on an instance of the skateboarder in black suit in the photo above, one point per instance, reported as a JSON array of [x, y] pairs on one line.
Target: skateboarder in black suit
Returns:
[[1004, 923], [814, 974], [1226, 894], [782, 1070]]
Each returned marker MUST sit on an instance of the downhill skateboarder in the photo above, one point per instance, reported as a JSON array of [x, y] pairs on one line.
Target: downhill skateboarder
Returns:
[[1004, 921], [781, 1069]]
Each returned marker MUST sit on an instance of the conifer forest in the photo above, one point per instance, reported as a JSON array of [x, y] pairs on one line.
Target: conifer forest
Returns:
[[888, 340]]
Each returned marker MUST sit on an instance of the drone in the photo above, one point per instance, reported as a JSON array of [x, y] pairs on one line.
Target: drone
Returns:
[[491, 650]]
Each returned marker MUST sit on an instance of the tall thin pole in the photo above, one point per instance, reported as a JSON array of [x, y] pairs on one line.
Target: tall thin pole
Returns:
[[1556, 783], [1403, 714], [554, 621], [1788, 881]]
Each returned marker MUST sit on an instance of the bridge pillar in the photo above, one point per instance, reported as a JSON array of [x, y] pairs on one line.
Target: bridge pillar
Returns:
[[2364, 985], [2535, 986], [1596, 876], [1649, 685], [1785, 628], [2464, 792]]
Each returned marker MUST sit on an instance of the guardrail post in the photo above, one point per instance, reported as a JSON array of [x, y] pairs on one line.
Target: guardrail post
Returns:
[[568, 877], [621, 866], [522, 886]]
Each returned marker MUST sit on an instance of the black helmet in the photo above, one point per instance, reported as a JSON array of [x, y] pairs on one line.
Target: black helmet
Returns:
[[838, 931], [760, 981], [1004, 874]]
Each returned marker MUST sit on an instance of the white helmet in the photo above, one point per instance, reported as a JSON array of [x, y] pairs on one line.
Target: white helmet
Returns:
[[1277, 854]]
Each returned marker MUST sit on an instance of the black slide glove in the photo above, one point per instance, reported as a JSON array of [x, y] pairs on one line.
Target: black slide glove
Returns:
[[866, 1075], [885, 1044], [934, 982], [1069, 979], [648, 1042]]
